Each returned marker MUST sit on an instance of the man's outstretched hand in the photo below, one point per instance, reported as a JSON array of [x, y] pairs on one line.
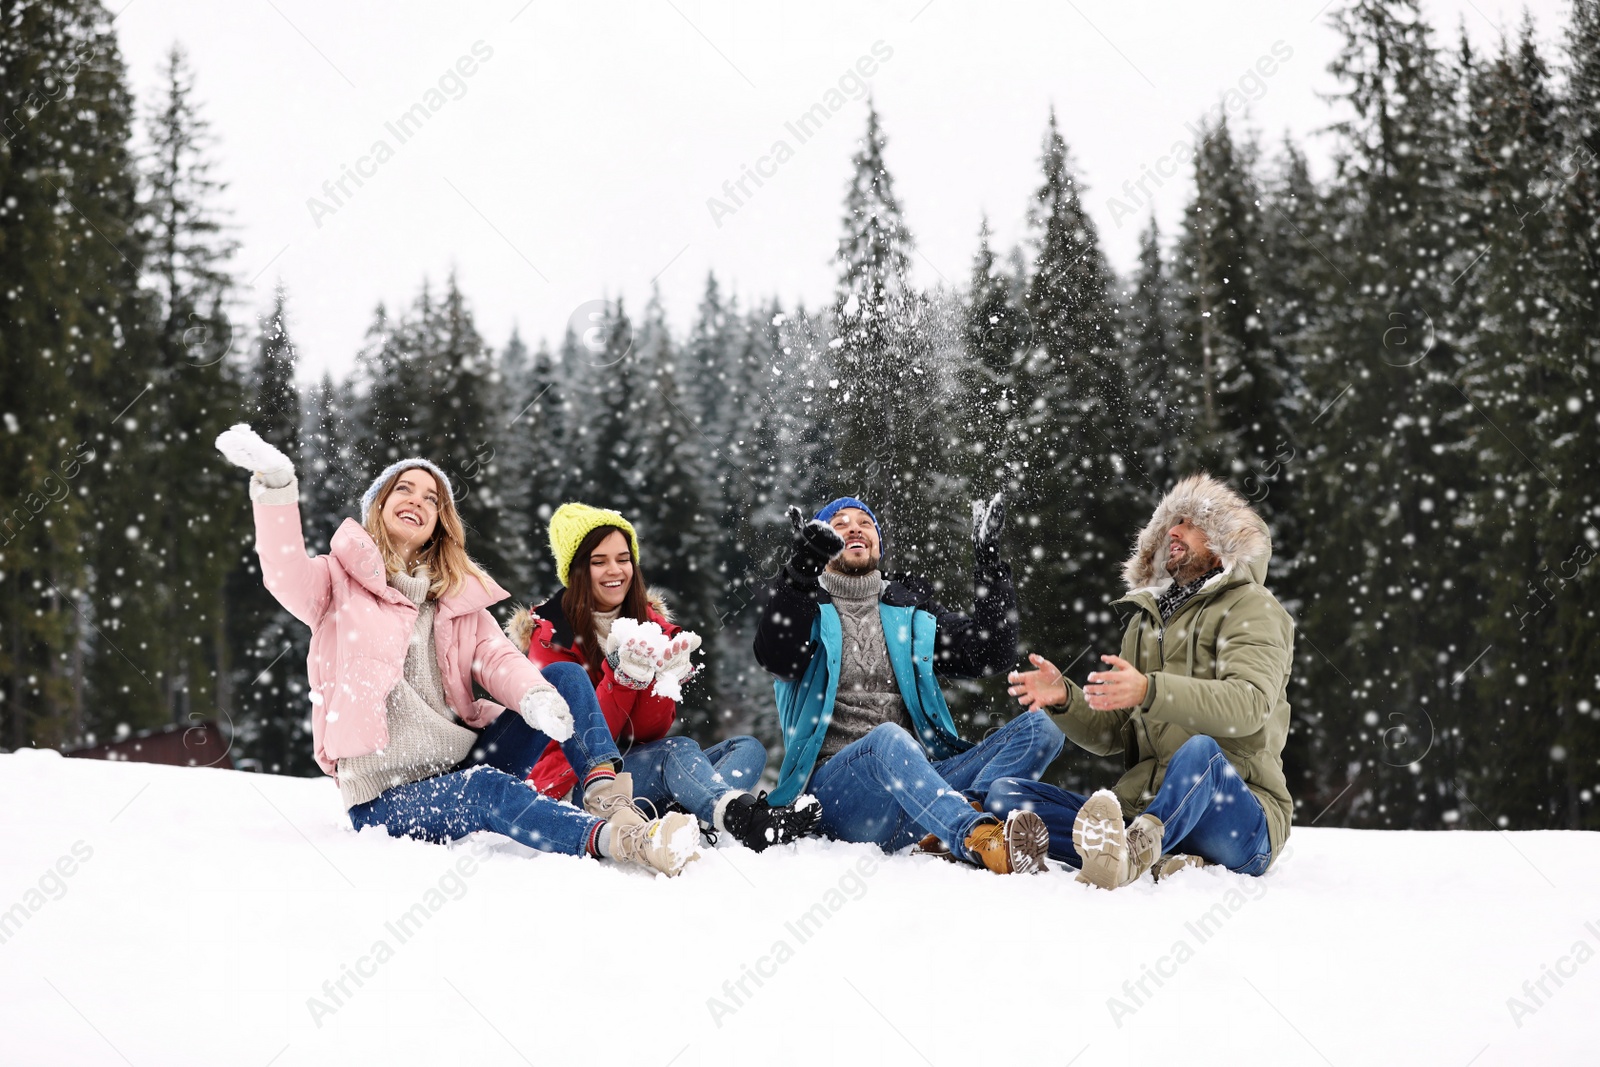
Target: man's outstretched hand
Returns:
[[1120, 687], [1042, 687]]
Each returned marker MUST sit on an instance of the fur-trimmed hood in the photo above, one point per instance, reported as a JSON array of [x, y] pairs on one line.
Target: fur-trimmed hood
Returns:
[[526, 620], [1235, 532]]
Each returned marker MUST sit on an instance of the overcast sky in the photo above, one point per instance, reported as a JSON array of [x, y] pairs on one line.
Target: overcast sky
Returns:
[[577, 157]]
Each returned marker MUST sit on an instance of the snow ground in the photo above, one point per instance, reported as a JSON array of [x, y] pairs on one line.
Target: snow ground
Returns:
[[157, 915]]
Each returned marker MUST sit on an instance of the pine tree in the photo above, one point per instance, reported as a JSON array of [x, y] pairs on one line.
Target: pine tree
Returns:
[[458, 430], [874, 254], [1570, 446], [761, 472], [1385, 602], [610, 390], [1522, 382], [1293, 292], [796, 440], [576, 360], [537, 463], [1160, 424], [73, 353], [269, 646], [176, 502], [1242, 400], [721, 388], [998, 335], [1087, 491], [393, 389], [676, 532], [332, 467], [886, 415]]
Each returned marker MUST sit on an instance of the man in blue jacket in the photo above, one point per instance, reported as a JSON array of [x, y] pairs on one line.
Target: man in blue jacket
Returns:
[[866, 728]]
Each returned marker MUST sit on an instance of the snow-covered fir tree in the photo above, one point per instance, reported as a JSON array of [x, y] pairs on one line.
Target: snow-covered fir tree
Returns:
[[196, 390], [267, 645]]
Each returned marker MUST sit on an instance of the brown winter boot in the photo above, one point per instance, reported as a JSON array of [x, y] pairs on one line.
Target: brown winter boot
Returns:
[[611, 799], [930, 845], [1016, 846], [667, 844], [1113, 854]]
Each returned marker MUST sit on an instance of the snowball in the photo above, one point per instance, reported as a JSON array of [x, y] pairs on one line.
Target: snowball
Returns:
[[624, 630]]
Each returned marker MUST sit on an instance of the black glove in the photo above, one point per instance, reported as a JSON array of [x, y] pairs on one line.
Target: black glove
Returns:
[[815, 543], [988, 520]]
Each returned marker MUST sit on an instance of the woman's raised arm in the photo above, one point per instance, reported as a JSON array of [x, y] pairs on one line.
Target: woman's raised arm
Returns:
[[301, 584]]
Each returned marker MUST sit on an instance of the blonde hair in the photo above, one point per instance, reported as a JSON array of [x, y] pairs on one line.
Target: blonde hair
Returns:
[[445, 554]]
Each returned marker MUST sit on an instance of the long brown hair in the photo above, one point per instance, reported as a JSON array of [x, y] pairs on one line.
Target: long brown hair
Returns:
[[445, 554], [577, 601]]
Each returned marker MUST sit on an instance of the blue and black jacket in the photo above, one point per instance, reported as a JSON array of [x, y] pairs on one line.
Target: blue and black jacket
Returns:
[[799, 641]]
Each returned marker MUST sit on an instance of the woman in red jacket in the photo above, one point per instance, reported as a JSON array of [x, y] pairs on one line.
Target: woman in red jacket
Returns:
[[595, 623]]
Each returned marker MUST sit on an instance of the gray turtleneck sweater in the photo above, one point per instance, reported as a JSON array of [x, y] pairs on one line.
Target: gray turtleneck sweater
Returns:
[[425, 737], [868, 694]]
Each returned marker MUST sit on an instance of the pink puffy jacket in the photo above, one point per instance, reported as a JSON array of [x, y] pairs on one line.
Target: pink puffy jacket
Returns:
[[360, 627]]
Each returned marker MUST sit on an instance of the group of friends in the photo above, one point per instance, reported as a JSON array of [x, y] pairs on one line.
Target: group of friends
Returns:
[[572, 751]]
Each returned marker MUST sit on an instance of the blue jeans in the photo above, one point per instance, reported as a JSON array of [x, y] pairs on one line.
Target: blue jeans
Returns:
[[487, 791], [883, 788], [1205, 806], [674, 769]]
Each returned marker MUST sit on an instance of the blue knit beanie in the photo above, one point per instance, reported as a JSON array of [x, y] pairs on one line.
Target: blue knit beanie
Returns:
[[395, 468], [833, 507]]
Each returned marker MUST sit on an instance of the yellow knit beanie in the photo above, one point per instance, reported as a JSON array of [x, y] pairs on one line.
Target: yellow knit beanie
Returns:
[[571, 524]]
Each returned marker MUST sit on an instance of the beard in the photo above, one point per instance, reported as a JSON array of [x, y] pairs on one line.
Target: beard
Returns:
[[849, 570], [1190, 565]]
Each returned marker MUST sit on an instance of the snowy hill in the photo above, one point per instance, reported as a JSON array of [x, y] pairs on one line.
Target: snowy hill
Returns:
[[167, 916]]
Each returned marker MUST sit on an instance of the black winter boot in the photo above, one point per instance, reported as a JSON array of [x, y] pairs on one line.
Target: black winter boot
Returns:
[[755, 824]]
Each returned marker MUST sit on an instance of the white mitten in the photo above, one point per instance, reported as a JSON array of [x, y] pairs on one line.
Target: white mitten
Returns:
[[676, 666], [634, 649], [546, 712], [243, 447]]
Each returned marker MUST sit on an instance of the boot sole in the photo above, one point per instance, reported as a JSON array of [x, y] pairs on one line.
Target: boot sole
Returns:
[[1101, 840], [681, 841], [1027, 842]]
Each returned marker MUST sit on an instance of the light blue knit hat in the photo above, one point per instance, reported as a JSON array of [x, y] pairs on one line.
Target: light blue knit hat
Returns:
[[395, 468]]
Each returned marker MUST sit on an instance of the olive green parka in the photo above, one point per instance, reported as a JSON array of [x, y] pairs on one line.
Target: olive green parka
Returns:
[[1219, 667]]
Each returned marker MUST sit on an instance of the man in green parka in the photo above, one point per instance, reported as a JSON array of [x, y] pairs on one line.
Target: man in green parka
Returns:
[[1197, 703]]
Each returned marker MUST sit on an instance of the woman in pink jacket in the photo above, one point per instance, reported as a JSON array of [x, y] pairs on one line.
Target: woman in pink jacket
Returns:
[[400, 631]]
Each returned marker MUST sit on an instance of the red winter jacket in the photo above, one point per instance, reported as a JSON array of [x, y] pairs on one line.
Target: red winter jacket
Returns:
[[634, 715]]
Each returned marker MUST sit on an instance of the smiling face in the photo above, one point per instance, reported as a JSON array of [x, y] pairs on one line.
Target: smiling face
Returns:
[[611, 571], [1189, 555], [861, 553], [411, 511]]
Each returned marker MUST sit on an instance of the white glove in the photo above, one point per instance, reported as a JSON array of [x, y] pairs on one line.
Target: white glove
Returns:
[[634, 649], [546, 712], [243, 447], [676, 667]]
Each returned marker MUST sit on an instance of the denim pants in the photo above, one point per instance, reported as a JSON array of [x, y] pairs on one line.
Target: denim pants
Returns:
[[487, 790], [883, 788], [674, 769], [1205, 806]]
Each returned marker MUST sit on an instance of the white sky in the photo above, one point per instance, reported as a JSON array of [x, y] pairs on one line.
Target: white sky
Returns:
[[578, 161]]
